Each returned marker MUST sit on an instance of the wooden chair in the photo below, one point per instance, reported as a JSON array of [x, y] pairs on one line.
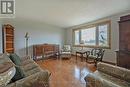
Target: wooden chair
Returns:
[[95, 55]]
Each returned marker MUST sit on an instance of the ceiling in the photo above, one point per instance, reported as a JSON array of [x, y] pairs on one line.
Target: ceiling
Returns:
[[67, 13]]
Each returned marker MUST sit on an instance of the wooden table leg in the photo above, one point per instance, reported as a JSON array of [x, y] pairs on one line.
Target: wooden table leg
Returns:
[[76, 56], [81, 57], [58, 55], [86, 56]]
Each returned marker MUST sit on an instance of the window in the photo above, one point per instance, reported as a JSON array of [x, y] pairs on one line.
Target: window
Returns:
[[103, 35], [77, 38], [97, 35], [88, 36]]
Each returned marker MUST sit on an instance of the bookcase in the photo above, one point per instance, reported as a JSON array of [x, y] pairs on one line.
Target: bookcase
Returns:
[[8, 38]]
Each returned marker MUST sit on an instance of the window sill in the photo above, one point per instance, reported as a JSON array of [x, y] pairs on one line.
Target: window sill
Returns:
[[92, 46]]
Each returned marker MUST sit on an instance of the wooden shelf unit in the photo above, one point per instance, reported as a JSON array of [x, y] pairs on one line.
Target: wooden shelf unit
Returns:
[[8, 38]]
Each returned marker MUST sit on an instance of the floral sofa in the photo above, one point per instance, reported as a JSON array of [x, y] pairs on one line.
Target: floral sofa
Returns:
[[108, 75], [34, 76]]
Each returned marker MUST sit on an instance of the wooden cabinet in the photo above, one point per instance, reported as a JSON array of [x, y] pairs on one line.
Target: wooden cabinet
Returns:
[[41, 51], [8, 38], [123, 59], [123, 55]]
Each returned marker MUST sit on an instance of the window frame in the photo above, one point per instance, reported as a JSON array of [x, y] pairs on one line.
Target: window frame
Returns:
[[108, 22]]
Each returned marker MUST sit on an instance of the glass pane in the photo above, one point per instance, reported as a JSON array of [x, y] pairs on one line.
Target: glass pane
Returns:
[[76, 37], [103, 35], [89, 36]]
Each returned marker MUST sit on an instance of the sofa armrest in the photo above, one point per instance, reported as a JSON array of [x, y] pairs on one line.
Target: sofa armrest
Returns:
[[91, 81], [40, 79], [116, 71], [99, 79]]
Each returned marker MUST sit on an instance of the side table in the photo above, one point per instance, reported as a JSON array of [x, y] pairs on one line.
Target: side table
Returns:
[[81, 52]]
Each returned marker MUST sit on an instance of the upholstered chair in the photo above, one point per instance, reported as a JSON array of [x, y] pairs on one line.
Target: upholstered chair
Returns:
[[65, 51], [95, 55]]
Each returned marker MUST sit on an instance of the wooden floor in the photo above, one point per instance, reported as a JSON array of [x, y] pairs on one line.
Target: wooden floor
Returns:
[[67, 72]]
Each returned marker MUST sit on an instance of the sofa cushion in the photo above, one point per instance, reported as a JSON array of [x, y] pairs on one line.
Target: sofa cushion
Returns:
[[29, 66], [15, 58], [33, 71], [39, 79], [27, 61], [11, 85], [19, 74], [5, 66]]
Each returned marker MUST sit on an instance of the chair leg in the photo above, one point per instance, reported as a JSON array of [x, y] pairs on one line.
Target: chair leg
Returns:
[[95, 61], [86, 58], [81, 57]]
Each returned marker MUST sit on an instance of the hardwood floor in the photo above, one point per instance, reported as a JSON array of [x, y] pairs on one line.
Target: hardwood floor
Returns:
[[67, 72]]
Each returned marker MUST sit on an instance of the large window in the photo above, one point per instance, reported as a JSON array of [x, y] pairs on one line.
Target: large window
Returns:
[[97, 35], [88, 36]]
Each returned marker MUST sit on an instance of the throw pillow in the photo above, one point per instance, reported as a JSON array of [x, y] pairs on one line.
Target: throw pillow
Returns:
[[15, 59], [19, 74], [66, 48]]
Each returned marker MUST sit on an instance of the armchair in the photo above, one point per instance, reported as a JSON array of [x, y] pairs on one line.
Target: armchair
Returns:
[[95, 55], [66, 51]]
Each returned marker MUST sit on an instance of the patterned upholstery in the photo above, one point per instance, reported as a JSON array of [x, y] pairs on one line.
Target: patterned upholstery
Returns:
[[29, 66], [66, 48], [95, 55], [115, 71], [108, 76], [6, 76], [7, 70], [34, 75], [66, 51], [39, 79], [32, 71]]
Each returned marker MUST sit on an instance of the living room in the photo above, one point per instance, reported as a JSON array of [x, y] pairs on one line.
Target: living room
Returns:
[[47, 25]]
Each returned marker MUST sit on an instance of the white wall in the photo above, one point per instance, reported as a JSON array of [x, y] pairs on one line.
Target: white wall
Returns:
[[110, 55], [39, 33], [0, 38]]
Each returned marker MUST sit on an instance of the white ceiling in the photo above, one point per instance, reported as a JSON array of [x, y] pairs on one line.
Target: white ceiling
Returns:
[[67, 13]]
